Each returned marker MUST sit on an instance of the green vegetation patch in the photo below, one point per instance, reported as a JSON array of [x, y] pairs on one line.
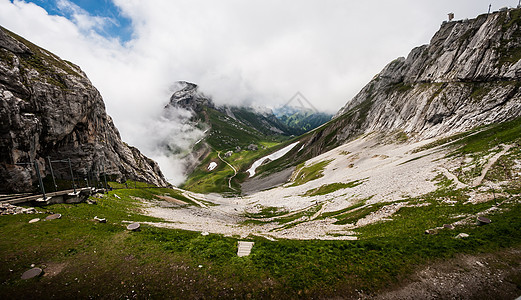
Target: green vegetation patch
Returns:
[[201, 180], [354, 215], [480, 139], [333, 187], [7, 57], [341, 212], [480, 90], [401, 87], [267, 212], [204, 181], [297, 218], [226, 133], [492, 136], [306, 174], [281, 216]]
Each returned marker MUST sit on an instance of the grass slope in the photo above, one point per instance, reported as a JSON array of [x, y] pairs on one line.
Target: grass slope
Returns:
[[84, 259]]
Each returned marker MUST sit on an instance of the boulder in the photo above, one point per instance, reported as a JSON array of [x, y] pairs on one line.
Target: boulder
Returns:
[[134, 227]]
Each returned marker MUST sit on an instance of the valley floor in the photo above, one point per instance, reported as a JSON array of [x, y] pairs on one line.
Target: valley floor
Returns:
[[384, 178]]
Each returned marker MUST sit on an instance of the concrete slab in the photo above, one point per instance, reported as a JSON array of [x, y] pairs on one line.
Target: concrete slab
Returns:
[[244, 248]]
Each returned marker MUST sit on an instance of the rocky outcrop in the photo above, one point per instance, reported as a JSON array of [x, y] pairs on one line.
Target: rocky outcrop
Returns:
[[469, 75], [49, 109], [188, 96], [261, 120]]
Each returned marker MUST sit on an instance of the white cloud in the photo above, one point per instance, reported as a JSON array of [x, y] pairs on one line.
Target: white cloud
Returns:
[[82, 18], [257, 51]]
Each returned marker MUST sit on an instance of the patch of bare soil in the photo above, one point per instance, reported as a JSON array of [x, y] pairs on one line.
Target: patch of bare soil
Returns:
[[483, 276], [52, 269]]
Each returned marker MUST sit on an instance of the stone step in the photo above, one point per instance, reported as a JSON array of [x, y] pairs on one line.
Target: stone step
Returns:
[[244, 248]]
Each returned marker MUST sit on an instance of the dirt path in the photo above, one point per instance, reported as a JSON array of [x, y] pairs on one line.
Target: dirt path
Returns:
[[233, 168], [454, 178], [171, 200], [491, 162], [195, 200]]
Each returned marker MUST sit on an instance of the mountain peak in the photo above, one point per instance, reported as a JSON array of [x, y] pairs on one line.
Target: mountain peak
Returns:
[[187, 95], [469, 75]]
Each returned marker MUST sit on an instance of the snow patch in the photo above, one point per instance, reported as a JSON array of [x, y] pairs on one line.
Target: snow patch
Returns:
[[272, 156], [212, 166]]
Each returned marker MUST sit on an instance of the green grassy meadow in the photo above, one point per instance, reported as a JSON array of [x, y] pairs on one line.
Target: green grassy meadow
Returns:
[[83, 258]]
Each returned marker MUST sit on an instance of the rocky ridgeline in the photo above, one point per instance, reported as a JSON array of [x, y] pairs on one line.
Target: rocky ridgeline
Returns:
[[257, 120], [469, 75], [188, 96], [49, 108]]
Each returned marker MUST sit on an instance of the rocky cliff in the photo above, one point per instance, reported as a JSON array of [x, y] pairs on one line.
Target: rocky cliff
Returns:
[[469, 75], [49, 109]]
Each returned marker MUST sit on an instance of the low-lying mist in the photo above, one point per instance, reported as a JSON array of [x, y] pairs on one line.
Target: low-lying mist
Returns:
[[168, 139]]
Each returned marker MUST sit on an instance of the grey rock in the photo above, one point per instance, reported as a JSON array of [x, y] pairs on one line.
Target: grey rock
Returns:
[[53, 217], [31, 273], [188, 96], [483, 221], [48, 107], [10, 209], [462, 236], [467, 76], [448, 226], [134, 227]]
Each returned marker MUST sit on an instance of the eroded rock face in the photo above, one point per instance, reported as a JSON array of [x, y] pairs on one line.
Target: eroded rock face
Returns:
[[49, 108], [469, 75], [188, 96]]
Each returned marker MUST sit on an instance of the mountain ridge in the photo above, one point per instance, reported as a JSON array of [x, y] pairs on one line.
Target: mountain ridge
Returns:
[[468, 76]]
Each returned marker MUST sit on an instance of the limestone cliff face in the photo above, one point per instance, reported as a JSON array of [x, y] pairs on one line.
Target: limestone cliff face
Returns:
[[49, 108], [469, 75]]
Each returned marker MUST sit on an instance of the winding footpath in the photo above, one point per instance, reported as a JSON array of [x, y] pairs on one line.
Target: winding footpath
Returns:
[[491, 162], [233, 168]]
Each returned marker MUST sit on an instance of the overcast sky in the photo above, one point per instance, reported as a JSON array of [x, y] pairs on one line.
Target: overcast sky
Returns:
[[253, 51]]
